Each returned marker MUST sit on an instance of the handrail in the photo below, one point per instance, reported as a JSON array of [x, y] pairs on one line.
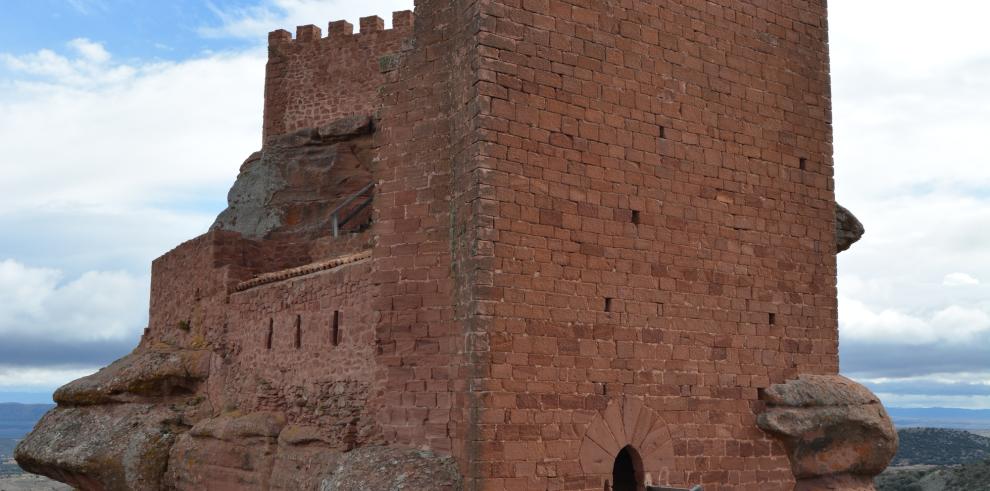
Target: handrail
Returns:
[[335, 214]]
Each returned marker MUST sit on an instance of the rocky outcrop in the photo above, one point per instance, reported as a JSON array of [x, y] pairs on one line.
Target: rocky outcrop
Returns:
[[836, 432], [113, 430], [228, 452], [297, 179], [116, 447], [259, 451], [848, 229], [140, 376], [407, 470]]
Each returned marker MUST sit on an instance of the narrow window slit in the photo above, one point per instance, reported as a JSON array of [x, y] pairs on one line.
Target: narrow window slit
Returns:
[[335, 328], [773, 319], [608, 304], [635, 217], [268, 336], [803, 163], [663, 132], [298, 342]]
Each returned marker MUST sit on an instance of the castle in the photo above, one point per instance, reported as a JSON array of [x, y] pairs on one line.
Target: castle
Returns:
[[506, 245]]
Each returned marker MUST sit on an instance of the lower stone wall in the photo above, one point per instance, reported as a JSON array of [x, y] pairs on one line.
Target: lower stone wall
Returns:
[[282, 354]]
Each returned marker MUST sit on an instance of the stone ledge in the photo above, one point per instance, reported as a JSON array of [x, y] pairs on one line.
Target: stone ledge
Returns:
[[311, 268]]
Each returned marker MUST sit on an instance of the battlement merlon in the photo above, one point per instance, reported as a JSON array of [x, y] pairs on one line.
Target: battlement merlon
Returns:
[[311, 80]]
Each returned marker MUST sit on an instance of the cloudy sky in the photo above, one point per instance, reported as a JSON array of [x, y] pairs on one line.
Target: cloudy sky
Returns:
[[123, 123]]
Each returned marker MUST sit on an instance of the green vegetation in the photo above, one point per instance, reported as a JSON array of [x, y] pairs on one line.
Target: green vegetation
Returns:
[[967, 477], [937, 446], [935, 459]]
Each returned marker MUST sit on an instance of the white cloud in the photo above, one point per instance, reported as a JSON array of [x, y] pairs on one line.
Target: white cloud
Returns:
[[24, 290], [15, 378], [910, 110], [99, 305], [910, 119], [256, 21], [959, 279], [89, 66], [951, 325], [90, 51], [87, 7], [85, 132]]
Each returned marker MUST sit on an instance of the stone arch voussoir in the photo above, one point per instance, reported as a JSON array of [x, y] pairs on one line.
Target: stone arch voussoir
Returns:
[[627, 421]]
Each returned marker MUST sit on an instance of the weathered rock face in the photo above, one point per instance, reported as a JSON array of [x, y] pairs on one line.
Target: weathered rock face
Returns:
[[291, 186], [407, 470], [140, 377], [836, 432], [113, 430], [848, 229]]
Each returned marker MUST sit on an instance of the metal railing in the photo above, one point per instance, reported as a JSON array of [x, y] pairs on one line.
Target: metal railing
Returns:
[[337, 222]]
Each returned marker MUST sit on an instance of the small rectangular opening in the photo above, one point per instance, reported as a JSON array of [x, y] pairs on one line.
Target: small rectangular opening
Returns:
[[635, 217], [803, 163], [268, 336], [663, 132], [772, 319], [608, 304], [298, 342], [335, 328]]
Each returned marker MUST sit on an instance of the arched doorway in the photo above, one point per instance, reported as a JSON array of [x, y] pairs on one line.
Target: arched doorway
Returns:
[[627, 471]]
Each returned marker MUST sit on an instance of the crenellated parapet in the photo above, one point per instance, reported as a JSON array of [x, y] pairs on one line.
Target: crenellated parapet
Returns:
[[313, 79]]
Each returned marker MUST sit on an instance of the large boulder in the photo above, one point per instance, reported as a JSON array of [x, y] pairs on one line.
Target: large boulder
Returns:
[[848, 229], [139, 377], [113, 447], [836, 432], [113, 430]]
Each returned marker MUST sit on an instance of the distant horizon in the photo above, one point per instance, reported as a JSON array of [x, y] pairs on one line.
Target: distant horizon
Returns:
[[26, 398]]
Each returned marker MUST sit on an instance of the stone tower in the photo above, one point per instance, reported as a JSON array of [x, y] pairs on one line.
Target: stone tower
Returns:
[[506, 245]]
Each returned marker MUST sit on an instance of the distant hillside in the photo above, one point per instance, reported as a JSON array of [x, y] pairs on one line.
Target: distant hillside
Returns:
[[940, 417], [17, 420], [968, 477], [7, 448], [938, 446]]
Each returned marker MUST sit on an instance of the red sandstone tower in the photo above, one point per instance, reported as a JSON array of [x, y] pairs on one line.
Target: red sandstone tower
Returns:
[[510, 245]]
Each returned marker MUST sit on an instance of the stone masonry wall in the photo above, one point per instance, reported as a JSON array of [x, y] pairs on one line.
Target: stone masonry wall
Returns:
[[283, 354], [312, 80], [663, 231], [425, 127]]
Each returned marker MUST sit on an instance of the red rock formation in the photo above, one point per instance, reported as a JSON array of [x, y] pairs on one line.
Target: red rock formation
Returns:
[[836, 432]]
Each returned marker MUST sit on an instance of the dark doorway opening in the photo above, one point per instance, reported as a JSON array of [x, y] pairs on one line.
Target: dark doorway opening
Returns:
[[627, 472]]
